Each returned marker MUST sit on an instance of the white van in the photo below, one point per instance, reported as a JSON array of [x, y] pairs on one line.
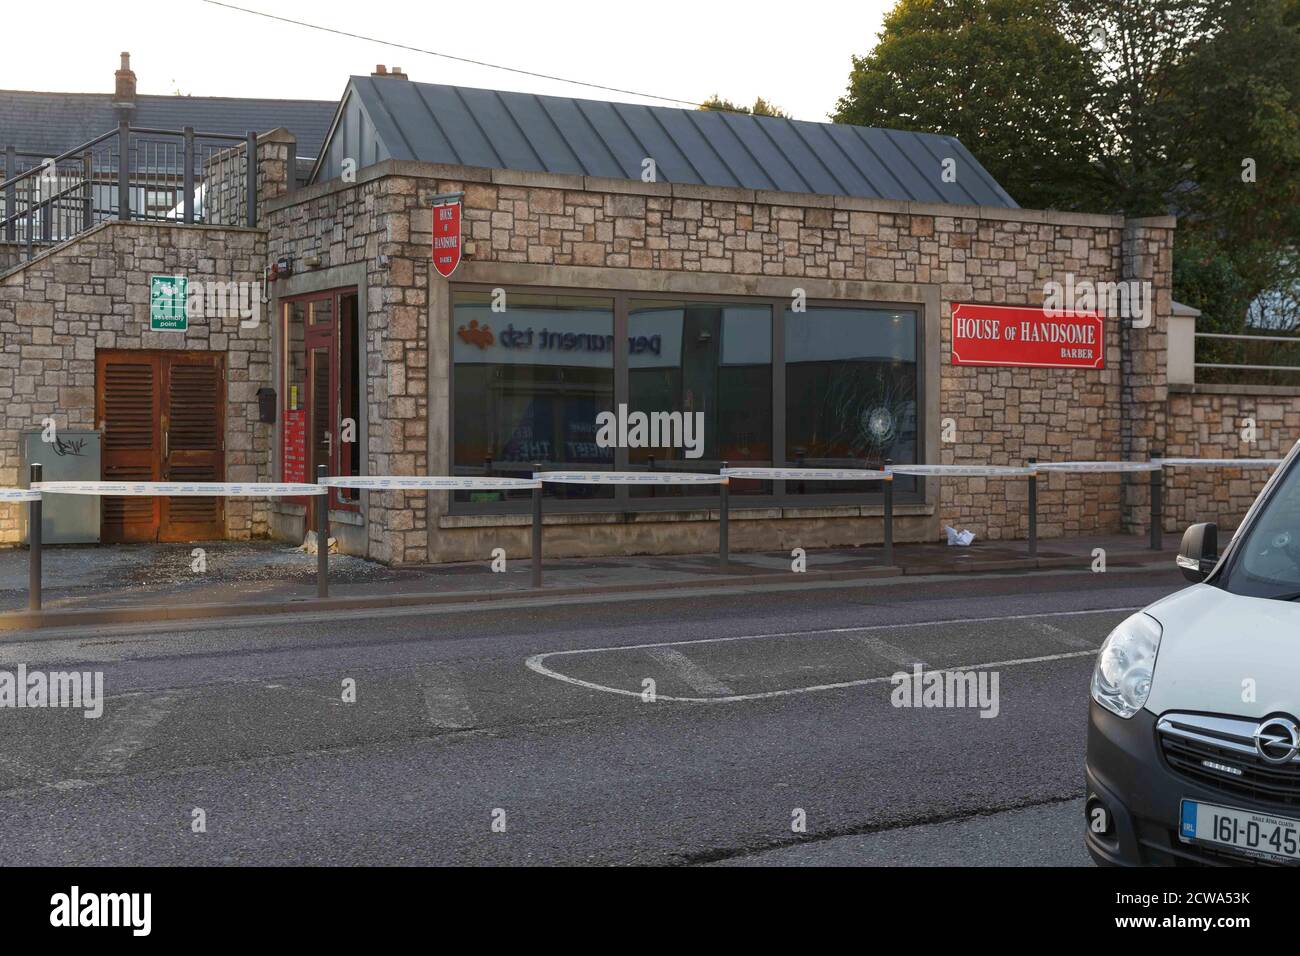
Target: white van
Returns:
[[1194, 727]]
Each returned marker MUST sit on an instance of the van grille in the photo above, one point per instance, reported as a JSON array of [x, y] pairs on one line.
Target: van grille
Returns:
[[1219, 753]]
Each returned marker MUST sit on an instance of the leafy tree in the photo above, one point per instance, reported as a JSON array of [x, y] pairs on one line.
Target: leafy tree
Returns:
[[1138, 107], [1234, 130], [997, 74], [761, 107], [1135, 47]]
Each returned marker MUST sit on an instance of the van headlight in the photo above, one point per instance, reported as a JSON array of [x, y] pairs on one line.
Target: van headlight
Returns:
[[1121, 681]]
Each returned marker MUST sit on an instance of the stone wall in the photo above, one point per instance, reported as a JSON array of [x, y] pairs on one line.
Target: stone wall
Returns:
[[93, 293], [1211, 421], [378, 224], [581, 232]]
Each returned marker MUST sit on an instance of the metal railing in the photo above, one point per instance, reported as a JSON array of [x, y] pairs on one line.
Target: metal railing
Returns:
[[130, 173], [1031, 471], [1259, 366]]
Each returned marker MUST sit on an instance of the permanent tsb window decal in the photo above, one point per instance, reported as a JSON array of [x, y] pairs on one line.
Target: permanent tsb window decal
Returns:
[[1026, 336], [446, 233]]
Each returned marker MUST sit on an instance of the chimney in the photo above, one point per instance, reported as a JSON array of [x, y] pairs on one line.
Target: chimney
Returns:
[[397, 72], [124, 88], [380, 70]]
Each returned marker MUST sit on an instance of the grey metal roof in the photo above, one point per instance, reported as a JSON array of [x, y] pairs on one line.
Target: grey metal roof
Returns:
[[386, 117], [55, 122]]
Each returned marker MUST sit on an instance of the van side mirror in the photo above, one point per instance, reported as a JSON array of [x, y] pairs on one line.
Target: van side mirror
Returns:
[[1199, 552]]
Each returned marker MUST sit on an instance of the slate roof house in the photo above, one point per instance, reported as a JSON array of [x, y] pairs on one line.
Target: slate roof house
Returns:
[[384, 117], [38, 126]]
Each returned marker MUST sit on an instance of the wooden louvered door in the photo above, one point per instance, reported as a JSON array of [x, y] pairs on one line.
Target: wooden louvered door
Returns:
[[193, 423], [162, 416], [126, 410]]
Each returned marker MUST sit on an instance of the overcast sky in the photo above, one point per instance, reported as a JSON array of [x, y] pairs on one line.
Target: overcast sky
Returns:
[[795, 54]]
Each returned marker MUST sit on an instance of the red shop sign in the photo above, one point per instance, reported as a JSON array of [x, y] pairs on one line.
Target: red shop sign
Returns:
[[446, 233], [1027, 336]]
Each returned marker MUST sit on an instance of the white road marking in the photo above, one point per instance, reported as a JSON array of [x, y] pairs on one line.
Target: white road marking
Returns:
[[534, 662], [445, 702], [130, 724], [890, 652], [694, 676], [1064, 637]]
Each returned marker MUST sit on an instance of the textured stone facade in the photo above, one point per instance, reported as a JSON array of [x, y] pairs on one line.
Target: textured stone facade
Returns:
[[92, 294], [531, 229], [1214, 421]]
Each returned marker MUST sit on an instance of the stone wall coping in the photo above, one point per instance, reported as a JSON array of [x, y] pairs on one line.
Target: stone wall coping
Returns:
[[1154, 222], [596, 184], [277, 135], [1245, 390], [63, 247]]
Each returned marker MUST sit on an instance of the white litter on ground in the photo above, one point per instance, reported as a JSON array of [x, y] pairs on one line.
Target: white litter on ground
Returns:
[[961, 538]]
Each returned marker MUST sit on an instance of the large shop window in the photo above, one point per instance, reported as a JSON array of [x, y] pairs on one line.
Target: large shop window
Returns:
[[851, 390], [321, 402], [530, 379], [533, 373], [708, 366]]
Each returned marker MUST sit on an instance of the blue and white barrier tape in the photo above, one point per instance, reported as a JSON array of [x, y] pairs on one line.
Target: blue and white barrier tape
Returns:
[[191, 489], [807, 474], [19, 494], [431, 483], [628, 478], [1229, 462], [1094, 466], [963, 471]]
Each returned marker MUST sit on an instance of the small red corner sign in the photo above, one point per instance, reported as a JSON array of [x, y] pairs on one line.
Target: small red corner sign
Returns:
[[1028, 336], [446, 232]]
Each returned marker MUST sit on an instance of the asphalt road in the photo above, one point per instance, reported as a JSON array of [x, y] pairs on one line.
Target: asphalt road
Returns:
[[521, 733]]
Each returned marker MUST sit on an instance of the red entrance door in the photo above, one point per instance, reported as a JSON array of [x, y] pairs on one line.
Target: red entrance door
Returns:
[[322, 390]]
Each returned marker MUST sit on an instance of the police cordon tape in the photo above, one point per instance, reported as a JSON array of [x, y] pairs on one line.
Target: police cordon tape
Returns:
[[807, 474], [177, 489], [962, 471], [1096, 466], [628, 478], [19, 494], [1226, 462], [322, 485], [431, 483], [467, 483]]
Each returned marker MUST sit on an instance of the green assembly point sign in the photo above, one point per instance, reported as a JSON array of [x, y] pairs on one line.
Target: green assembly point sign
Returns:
[[167, 297]]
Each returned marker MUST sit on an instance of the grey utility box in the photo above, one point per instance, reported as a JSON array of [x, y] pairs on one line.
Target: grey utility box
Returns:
[[74, 456]]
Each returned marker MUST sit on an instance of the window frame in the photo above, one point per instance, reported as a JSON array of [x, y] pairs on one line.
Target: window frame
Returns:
[[622, 501]]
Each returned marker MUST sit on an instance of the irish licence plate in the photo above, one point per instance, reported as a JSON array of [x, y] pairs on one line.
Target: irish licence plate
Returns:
[[1255, 834]]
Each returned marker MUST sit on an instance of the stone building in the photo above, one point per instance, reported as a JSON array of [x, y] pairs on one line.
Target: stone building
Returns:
[[789, 285]]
